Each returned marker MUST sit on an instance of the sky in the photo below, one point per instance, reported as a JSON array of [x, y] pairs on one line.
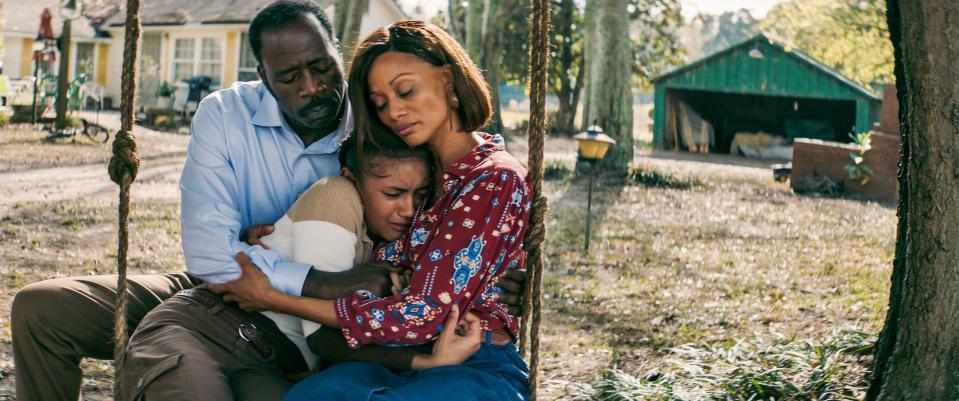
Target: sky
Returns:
[[758, 8]]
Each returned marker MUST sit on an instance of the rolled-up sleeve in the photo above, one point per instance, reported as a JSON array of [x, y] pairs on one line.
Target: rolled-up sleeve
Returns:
[[210, 220]]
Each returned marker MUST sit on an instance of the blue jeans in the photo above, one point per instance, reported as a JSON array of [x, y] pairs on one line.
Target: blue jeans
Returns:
[[493, 373]]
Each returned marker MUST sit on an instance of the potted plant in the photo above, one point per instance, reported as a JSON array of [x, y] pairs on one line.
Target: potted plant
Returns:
[[165, 96]]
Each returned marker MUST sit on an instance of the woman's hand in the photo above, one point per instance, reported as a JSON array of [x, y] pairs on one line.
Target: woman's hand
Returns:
[[252, 290], [457, 343]]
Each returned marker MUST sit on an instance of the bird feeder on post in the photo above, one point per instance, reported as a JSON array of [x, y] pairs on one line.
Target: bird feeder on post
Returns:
[[593, 145]]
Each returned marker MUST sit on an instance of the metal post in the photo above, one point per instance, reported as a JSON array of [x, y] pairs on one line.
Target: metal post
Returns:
[[36, 83], [589, 201], [62, 80]]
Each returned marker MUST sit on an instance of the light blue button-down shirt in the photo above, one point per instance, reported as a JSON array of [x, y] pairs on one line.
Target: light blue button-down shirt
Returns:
[[245, 166]]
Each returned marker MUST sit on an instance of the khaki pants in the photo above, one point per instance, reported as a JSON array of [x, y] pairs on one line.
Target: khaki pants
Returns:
[[55, 323], [186, 351]]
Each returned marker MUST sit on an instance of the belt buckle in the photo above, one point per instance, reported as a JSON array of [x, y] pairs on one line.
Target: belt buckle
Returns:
[[247, 331]]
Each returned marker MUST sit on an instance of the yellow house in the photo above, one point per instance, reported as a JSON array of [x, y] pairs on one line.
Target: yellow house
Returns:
[[185, 38], [88, 46]]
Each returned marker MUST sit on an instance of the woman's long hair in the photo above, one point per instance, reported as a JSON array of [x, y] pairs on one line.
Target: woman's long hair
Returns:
[[431, 44]]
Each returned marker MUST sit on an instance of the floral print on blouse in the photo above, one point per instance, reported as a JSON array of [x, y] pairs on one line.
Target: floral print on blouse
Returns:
[[458, 249]]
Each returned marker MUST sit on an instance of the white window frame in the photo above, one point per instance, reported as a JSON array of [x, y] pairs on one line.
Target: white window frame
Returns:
[[196, 60], [74, 59], [240, 69]]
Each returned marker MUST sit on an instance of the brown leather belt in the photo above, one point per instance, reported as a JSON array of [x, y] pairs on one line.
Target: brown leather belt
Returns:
[[261, 332]]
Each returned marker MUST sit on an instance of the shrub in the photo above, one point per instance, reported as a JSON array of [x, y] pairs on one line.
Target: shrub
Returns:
[[165, 90], [4, 119], [73, 121], [786, 369], [653, 178], [557, 171]]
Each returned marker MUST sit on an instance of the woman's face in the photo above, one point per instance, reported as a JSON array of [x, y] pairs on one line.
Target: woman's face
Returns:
[[391, 190], [411, 97]]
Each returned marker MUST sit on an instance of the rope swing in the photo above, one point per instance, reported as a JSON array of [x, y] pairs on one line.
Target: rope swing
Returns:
[[536, 234], [124, 165], [123, 170]]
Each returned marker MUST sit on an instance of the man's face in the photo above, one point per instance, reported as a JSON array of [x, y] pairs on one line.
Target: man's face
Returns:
[[304, 71]]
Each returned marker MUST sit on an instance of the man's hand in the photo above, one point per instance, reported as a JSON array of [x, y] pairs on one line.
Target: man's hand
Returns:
[[253, 234], [252, 290], [373, 277], [513, 284], [457, 343]]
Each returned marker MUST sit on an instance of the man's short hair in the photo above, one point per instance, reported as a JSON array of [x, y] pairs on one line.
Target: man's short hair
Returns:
[[282, 13]]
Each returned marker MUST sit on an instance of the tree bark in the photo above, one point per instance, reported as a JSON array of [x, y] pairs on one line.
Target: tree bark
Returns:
[[589, 45], [611, 103], [917, 357], [567, 99], [341, 17], [474, 29], [351, 33], [455, 27]]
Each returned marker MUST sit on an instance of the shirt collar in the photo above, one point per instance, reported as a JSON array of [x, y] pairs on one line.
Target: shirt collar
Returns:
[[268, 114], [492, 143]]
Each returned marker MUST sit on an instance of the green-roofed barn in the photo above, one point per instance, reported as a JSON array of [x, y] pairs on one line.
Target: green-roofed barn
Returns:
[[761, 85]]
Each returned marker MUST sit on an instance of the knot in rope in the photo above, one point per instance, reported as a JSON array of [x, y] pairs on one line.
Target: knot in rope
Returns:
[[125, 162]]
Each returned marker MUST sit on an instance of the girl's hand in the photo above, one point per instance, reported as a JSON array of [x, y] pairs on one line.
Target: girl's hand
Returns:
[[252, 290], [456, 344]]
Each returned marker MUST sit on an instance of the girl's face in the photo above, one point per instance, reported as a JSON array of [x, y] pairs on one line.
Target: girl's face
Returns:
[[411, 97], [391, 190]]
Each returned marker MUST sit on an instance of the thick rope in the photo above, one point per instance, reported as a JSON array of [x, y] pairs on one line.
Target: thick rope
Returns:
[[539, 64], [123, 171]]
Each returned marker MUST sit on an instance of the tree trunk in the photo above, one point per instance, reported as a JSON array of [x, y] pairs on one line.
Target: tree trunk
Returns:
[[611, 103], [455, 27], [341, 17], [589, 46], [492, 54], [917, 357], [352, 31], [567, 109], [474, 29]]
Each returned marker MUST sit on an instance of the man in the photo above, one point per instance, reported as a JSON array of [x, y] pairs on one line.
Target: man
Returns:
[[255, 148]]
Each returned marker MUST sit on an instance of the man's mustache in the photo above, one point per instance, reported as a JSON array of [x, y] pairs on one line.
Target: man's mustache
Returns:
[[319, 101]]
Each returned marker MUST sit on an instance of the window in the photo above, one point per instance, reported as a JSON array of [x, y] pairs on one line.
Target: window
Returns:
[[183, 58], [150, 54], [211, 59], [190, 60], [247, 70], [84, 60]]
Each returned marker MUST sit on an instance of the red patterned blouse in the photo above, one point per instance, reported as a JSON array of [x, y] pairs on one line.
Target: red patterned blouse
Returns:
[[458, 249]]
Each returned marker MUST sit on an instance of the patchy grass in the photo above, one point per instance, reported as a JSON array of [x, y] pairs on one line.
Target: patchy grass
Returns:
[[24, 148], [786, 369], [737, 257], [733, 256]]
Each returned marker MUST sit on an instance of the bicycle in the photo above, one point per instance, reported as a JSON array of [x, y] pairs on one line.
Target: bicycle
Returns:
[[94, 131]]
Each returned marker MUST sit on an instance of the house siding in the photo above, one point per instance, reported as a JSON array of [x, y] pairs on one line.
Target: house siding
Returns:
[[26, 58], [231, 59], [103, 53]]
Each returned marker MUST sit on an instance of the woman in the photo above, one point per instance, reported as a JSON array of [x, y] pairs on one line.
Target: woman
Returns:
[[413, 79]]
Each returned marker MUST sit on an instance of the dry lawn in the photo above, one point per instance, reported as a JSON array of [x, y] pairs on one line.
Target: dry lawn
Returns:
[[737, 257]]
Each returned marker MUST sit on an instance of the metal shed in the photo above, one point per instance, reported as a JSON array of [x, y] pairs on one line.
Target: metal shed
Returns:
[[762, 85]]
